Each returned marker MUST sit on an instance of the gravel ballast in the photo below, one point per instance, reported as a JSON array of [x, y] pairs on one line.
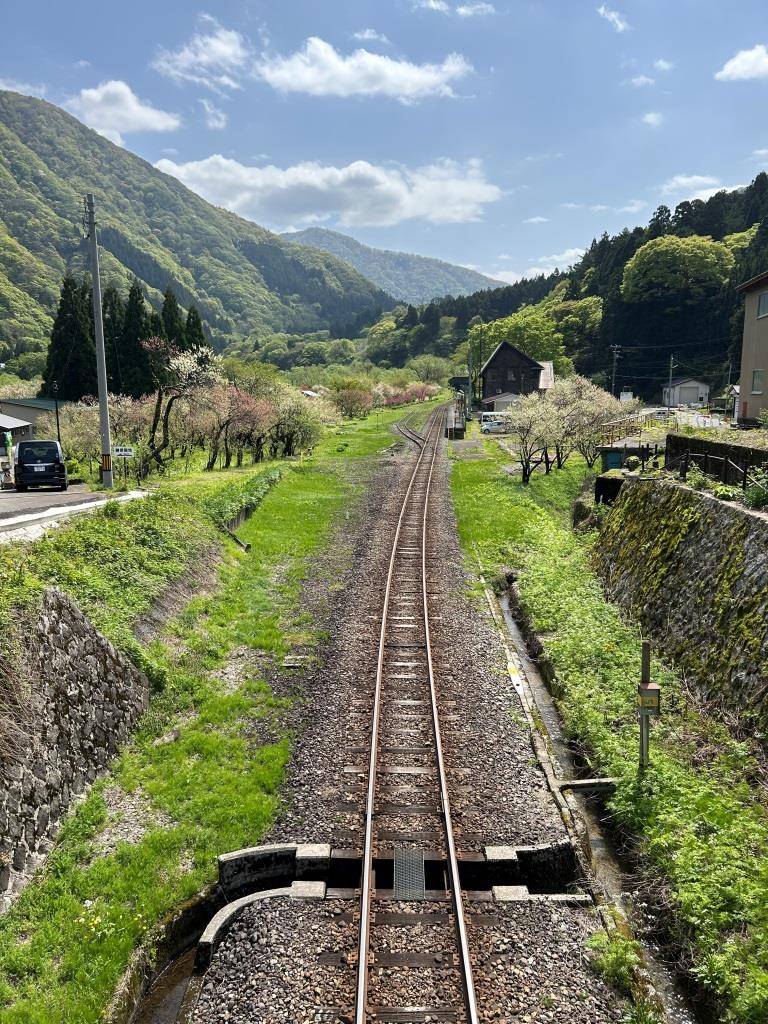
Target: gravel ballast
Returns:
[[276, 964]]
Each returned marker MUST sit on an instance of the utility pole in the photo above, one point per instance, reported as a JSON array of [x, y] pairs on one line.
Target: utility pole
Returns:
[[55, 389], [471, 389], [616, 349], [672, 366], [101, 362]]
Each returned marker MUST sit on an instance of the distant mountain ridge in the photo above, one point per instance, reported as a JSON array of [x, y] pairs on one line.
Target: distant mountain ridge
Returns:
[[410, 278], [244, 279]]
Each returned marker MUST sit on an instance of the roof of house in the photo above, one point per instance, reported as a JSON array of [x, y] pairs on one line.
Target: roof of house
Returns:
[[687, 380], [547, 378], [508, 344], [499, 398], [754, 282], [33, 403], [11, 423]]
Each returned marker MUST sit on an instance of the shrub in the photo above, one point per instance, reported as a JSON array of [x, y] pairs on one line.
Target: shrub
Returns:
[[615, 958], [725, 492], [756, 495]]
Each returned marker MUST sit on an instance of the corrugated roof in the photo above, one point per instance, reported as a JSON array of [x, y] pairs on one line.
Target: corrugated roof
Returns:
[[754, 282], [687, 380], [11, 423]]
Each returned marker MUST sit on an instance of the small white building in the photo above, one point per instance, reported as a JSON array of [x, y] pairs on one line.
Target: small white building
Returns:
[[685, 391]]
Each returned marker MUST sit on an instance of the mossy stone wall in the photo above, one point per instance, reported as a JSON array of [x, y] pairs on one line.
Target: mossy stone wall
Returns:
[[693, 570]]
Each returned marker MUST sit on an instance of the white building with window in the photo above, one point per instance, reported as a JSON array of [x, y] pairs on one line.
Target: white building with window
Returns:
[[685, 391], [753, 387]]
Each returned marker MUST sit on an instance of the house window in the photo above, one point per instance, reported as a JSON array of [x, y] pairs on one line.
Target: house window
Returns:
[[757, 382], [762, 304]]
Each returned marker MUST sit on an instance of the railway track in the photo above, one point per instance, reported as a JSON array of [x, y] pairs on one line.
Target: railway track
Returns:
[[413, 962]]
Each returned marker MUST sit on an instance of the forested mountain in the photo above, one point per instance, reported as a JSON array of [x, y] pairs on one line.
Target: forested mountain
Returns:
[[243, 279], [667, 290], [408, 277]]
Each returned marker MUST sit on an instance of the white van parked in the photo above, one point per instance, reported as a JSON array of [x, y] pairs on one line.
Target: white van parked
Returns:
[[493, 423]]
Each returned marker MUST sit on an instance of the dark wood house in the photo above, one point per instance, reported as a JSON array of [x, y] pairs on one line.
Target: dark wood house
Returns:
[[508, 374]]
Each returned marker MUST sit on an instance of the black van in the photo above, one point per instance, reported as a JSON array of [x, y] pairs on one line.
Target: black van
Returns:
[[39, 464]]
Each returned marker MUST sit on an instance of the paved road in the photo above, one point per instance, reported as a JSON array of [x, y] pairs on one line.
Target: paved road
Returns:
[[14, 504]]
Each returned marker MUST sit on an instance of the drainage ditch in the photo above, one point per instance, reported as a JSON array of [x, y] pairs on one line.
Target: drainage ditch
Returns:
[[613, 874]]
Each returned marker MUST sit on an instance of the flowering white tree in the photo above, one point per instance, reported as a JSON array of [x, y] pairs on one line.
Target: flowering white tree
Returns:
[[177, 375]]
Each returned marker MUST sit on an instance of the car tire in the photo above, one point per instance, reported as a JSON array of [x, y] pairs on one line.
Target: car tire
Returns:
[[21, 487]]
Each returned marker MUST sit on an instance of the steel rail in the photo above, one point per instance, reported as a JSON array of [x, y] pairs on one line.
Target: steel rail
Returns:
[[453, 864], [410, 434], [361, 1004]]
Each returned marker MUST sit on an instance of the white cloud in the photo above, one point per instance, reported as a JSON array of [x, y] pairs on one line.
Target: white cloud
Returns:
[[26, 88], [473, 9], [687, 183], [113, 108], [633, 206], [613, 18], [370, 35], [537, 158], [80, 64], [760, 154], [653, 118], [507, 276], [640, 81], [536, 220], [214, 117], [663, 65], [320, 70], [359, 194], [215, 57], [745, 65], [560, 260]]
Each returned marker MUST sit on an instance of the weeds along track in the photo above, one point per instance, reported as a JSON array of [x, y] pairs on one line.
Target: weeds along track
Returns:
[[409, 851]]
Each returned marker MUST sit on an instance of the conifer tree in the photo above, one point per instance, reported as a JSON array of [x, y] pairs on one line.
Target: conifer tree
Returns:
[[113, 315], [193, 332], [71, 359], [156, 325], [173, 321], [134, 360]]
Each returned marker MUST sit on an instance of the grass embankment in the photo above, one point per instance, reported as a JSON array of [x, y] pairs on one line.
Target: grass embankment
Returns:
[[700, 814], [212, 788]]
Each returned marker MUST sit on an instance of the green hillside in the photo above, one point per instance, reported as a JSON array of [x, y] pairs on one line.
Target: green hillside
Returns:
[[666, 292], [409, 278], [244, 279]]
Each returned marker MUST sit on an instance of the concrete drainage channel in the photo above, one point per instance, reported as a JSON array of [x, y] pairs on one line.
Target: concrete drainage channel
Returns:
[[500, 874], [586, 799]]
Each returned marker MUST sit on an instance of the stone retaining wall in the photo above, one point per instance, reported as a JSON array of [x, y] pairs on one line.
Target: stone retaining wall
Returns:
[[80, 699], [693, 570]]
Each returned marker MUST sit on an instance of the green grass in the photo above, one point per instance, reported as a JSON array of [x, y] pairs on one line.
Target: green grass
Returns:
[[68, 938], [615, 958], [700, 813]]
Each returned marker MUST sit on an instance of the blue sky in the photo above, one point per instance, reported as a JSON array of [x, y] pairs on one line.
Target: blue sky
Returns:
[[502, 135]]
